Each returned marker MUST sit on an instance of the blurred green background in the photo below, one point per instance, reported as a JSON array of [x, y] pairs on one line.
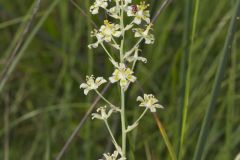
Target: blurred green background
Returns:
[[41, 103]]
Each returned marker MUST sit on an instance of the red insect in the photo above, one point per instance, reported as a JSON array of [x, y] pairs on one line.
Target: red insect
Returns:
[[134, 8]]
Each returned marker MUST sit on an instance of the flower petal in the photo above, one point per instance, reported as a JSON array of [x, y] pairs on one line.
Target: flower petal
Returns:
[[139, 98], [83, 85], [86, 91]]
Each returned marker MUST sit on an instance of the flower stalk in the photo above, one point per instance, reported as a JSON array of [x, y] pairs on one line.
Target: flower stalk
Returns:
[[123, 121], [113, 34]]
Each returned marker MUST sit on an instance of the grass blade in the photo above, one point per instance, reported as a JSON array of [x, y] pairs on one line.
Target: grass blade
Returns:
[[188, 57], [165, 138], [25, 45], [217, 84]]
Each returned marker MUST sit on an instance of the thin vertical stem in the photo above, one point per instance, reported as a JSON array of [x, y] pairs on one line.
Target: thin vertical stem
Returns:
[[230, 104], [123, 122], [123, 32], [184, 71], [6, 130], [188, 79], [87, 148]]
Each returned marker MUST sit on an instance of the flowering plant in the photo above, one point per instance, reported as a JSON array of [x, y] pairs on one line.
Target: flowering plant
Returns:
[[113, 34]]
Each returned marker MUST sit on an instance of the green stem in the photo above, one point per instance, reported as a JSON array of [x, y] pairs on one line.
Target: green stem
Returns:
[[144, 112], [105, 49], [123, 34], [183, 73], [188, 79], [123, 122], [87, 148], [111, 105], [111, 134], [133, 48]]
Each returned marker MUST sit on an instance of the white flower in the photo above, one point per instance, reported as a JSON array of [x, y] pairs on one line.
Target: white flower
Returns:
[[237, 157], [136, 57], [122, 74], [102, 114], [108, 30], [114, 12], [114, 156], [139, 13], [106, 33], [97, 4], [149, 101], [148, 37], [92, 84]]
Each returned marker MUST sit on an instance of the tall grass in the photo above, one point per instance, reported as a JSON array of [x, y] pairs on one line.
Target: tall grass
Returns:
[[217, 83], [45, 103]]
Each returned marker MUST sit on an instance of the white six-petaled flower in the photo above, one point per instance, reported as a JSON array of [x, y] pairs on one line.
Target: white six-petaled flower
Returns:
[[149, 101], [122, 74], [114, 12], [92, 83], [141, 33], [139, 13], [106, 33], [97, 4], [114, 156], [102, 113]]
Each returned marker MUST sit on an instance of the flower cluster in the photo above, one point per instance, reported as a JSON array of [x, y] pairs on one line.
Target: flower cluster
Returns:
[[113, 34], [106, 33], [109, 30], [113, 156], [122, 74], [139, 12]]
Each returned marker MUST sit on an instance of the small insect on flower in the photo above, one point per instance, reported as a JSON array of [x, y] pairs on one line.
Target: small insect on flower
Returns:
[[134, 8], [92, 83], [139, 12]]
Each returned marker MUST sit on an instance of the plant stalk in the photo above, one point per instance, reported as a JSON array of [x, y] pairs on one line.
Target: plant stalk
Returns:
[[123, 122]]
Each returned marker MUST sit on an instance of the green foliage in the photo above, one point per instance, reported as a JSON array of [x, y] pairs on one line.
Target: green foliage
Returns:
[[41, 102]]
